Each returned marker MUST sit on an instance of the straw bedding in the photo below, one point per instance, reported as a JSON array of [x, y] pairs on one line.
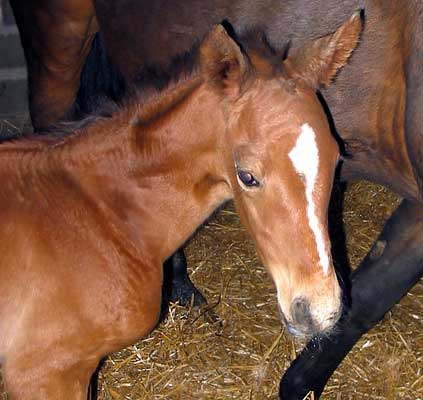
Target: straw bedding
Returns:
[[236, 348]]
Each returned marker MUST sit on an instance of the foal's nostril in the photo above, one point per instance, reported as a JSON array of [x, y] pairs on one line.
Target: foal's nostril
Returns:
[[300, 312]]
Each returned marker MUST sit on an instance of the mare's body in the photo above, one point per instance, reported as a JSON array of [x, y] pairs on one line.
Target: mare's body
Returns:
[[375, 105], [368, 100]]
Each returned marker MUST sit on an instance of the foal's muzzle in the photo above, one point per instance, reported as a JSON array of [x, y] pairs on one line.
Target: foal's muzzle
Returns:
[[302, 323], [302, 320]]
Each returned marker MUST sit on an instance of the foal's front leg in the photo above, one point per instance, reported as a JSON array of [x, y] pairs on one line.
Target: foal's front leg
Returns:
[[391, 268]]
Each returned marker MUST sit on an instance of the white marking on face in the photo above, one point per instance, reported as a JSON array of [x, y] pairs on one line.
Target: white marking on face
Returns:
[[305, 158]]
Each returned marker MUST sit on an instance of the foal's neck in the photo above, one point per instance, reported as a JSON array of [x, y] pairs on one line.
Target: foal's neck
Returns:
[[172, 177]]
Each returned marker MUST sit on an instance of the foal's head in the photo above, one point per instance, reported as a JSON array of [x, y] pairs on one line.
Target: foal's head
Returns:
[[279, 162]]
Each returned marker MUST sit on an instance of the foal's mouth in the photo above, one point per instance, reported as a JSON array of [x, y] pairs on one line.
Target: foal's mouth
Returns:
[[309, 328]]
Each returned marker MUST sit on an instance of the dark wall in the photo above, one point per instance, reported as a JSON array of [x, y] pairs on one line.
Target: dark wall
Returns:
[[13, 86], [6, 12]]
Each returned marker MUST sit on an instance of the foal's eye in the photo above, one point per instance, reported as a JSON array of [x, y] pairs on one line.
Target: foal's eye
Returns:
[[247, 178]]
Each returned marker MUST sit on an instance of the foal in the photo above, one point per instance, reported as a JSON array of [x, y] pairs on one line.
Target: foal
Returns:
[[87, 220]]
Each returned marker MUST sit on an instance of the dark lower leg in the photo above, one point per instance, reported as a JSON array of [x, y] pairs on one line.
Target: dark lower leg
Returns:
[[391, 268], [93, 386], [177, 285]]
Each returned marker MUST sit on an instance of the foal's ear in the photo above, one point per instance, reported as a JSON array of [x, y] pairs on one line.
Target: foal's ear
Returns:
[[318, 62], [222, 62]]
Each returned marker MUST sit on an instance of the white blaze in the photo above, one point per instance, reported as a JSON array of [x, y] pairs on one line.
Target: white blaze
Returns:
[[305, 158]]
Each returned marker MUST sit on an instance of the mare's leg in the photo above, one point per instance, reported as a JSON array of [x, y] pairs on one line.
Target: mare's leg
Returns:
[[391, 268], [177, 285], [56, 36], [93, 385]]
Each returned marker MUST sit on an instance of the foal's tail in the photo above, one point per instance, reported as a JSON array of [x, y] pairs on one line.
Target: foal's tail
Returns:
[[100, 82]]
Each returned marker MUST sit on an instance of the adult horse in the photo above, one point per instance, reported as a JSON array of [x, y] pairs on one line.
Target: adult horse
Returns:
[[87, 214], [375, 108]]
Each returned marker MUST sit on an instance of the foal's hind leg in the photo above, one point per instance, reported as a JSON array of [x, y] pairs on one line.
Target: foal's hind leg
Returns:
[[177, 285], [391, 268]]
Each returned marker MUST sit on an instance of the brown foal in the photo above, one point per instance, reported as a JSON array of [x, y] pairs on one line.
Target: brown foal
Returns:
[[88, 219]]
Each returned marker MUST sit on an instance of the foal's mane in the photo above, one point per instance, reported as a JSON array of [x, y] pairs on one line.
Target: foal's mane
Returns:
[[143, 93], [144, 90], [153, 79]]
